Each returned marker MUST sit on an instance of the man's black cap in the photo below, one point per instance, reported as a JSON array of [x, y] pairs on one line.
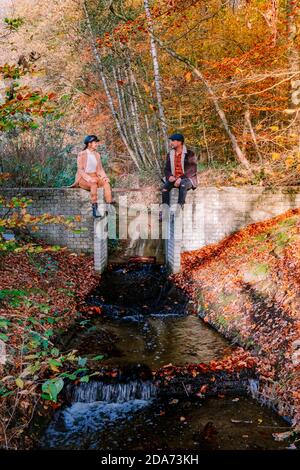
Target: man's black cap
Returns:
[[91, 138], [177, 137]]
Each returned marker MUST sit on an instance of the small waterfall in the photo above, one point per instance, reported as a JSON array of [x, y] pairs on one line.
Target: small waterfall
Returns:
[[253, 387], [112, 393]]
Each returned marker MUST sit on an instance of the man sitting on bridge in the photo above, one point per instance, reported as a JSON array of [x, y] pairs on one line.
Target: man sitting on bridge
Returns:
[[180, 170]]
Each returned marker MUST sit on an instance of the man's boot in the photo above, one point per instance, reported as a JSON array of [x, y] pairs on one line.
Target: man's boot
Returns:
[[96, 212]]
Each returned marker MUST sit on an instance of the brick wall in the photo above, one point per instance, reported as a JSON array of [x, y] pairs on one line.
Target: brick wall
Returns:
[[222, 211], [216, 213], [59, 201]]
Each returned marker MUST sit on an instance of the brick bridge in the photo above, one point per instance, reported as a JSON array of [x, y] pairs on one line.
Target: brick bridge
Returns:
[[215, 212]]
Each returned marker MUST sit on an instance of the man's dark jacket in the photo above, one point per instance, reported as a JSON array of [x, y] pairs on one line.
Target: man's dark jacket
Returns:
[[188, 164]]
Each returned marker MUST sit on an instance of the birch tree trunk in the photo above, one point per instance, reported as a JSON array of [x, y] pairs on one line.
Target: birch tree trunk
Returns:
[[124, 98], [120, 102], [293, 18], [253, 135], [147, 124], [157, 77], [135, 119], [106, 89]]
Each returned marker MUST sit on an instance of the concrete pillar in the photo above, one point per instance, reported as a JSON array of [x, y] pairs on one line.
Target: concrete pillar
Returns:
[[100, 239], [173, 241]]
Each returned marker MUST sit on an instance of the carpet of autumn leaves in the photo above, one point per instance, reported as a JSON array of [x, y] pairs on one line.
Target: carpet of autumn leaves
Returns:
[[239, 360], [40, 297], [248, 288]]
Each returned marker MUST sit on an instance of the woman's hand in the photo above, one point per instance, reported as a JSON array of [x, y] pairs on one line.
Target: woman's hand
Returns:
[[104, 179], [93, 179]]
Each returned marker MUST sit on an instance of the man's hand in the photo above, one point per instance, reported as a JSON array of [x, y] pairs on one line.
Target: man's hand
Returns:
[[177, 183], [172, 179]]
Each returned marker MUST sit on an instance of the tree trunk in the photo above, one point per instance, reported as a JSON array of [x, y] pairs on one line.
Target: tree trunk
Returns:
[[157, 78], [106, 89], [253, 135], [147, 124], [120, 101], [136, 96], [135, 119], [294, 66]]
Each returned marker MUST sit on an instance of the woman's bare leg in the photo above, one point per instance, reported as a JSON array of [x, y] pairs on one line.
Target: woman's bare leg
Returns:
[[92, 187], [107, 191]]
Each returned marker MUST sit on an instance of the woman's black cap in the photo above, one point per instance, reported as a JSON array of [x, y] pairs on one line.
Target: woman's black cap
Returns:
[[91, 138]]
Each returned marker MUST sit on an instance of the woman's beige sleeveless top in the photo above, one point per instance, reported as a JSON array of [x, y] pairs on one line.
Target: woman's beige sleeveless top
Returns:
[[91, 163]]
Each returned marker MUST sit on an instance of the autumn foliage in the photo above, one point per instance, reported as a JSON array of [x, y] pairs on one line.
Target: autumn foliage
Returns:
[[247, 287], [37, 303]]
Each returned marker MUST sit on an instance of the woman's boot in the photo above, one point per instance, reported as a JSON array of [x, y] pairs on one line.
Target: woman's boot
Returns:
[[96, 212]]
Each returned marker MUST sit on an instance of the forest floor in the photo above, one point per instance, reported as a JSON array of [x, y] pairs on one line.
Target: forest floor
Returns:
[[247, 287], [40, 297]]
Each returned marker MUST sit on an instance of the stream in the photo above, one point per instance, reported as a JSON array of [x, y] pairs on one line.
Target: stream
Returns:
[[145, 323]]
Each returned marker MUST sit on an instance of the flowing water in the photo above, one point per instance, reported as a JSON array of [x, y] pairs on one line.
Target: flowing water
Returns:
[[145, 323]]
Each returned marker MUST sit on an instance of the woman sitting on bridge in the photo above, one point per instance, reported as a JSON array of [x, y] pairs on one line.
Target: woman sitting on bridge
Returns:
[[91, 175]]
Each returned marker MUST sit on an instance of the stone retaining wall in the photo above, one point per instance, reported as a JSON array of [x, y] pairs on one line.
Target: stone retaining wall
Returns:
[[216, 213]]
